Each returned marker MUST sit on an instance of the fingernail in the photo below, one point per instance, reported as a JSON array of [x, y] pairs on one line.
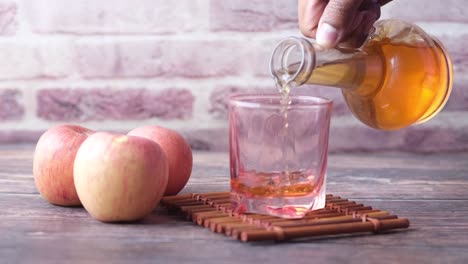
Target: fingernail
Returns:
[[327, 35]]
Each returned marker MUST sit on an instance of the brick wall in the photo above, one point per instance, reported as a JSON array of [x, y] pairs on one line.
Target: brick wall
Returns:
[[115, 65]]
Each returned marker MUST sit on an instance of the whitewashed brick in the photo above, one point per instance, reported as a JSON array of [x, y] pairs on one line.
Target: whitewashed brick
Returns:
[[113, 16], [8, 17], [153, 58], [34, 59]]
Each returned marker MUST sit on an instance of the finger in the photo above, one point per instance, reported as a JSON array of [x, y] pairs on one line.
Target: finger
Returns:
[[383, 2], [366, 5], [357, 21], [336, 20], [309, 13], [372, 6], [369, 20], [359, 35], [368, 13]]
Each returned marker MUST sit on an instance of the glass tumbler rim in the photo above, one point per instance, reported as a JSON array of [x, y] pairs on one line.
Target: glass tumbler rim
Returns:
[[266, 101]]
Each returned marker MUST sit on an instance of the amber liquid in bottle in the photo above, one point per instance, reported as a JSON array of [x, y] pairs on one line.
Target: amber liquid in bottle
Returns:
[[399, 78], [391, 86]]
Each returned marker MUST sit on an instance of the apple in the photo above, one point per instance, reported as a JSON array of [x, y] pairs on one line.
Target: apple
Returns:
[[120, 177], [53, 163], [178, 153]]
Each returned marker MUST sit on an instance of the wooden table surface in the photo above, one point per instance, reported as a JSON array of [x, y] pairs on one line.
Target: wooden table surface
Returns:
[[430, 190]]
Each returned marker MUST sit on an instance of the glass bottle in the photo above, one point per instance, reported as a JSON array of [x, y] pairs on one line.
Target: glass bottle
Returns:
[[399, 77]]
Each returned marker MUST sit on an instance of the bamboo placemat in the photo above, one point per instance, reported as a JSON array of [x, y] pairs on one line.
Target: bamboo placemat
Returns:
[[340, 216]]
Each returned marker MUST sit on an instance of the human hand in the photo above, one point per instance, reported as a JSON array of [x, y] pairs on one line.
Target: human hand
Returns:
[[338, 21]]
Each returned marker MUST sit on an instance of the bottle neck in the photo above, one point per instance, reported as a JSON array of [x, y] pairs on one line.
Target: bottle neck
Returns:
[[294, 61]]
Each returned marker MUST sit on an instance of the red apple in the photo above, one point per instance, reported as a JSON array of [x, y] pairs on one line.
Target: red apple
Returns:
[[178, 153], [119, 177], [53, 163]]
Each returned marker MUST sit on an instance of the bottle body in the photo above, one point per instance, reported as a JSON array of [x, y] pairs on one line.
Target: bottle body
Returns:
[[399, 77]]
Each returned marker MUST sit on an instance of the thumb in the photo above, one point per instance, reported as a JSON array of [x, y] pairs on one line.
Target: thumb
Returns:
[[336, 20]]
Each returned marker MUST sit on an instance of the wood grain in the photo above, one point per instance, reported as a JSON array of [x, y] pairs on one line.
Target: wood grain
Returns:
[[430, 190]]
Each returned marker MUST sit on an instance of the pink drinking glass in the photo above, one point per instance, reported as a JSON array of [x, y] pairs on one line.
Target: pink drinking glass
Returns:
[[278, 157]]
